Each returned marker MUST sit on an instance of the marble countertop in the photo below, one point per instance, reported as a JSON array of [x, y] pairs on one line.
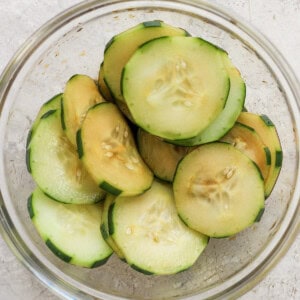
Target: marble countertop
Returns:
[[279, 20]]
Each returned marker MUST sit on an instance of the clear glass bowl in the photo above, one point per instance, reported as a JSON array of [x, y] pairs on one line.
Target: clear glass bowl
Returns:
[[73, 42]]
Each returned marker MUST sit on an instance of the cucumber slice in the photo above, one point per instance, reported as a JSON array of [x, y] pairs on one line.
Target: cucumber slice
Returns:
[[107, 149], [170, 80], [161, 157], [267, 131], [149, 232], [226, 119], [120, 48], [109, 199], [80, 94], [103, 88], [70, 231], [52, 104], [55, 166], [245, 139], [218, 190]]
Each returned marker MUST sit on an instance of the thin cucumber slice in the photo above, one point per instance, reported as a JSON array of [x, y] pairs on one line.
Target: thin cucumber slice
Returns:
[[81, 92], [218, 190], [151, 235], [107, 149], [245, 139], [226, 119], [267, 131], [120, 48], [109, 199], [70, 231], [103, 88], [170, 80], [55, 166], [161, 157]]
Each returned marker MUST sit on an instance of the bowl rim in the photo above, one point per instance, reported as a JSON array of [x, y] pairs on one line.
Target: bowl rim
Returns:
[[7, 229]]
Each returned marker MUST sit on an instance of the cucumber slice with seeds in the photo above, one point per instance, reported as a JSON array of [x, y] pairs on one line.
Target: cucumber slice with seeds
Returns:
[[107, 149], [70, 231], [267, 131], [149, 232], [226, 119], [250, 143], [80, 94], [54, 164], [170, 80], [120, 48], [218, 190]]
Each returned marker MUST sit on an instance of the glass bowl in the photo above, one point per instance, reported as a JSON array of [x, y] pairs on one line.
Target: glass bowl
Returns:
[[73, 42]]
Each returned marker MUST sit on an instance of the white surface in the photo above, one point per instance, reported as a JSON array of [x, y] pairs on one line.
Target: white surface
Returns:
[[279, 20]]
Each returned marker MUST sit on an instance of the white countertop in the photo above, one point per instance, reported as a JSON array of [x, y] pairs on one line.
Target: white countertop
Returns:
[[279, 20]]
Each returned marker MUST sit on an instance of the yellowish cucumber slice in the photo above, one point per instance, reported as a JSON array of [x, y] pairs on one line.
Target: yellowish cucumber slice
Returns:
[[245, 139], [267, 131], [104, 90], [218, 190], [109, 200], [70, 231], [120, 48], [176, 86], [108, 151], [161, 157], [151, 235], [54, 164], [80, 94], [226, 119]]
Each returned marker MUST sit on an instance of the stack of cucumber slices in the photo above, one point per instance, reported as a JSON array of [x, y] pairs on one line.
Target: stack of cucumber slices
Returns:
[[154, 159]]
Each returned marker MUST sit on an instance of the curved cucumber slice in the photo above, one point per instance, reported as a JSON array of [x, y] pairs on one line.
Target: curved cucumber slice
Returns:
[[151, 235], [70, 231], [170, 80], [218, 190], [103, 88], [245, 139], [161, 157], [55, 166], [226, 119], [108, 151], [109, 199], [80, 94], [120, 48], [267, 131]]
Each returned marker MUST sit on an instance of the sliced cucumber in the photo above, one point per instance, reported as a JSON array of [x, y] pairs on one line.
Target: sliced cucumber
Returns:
[[170, 80], [161, 157], [120, 48], [80, 94], [109, 199], [107, 149], [70, 231], [52, 104], [218, 190], [250, 143], [149, 232], [267, 131], [104, 90], [226, 119], [55, 166]]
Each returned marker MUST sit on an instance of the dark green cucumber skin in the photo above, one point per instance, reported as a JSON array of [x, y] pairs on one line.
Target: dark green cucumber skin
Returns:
[[278, 159], [58, 252], [259, 215], [109, 188], [62, 114], [145, 272], [268, 155], [110, 222], [79, 144], [30, 207], [104, 232], [154, 23], [100, 262], [267, 120], [28, 160]]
